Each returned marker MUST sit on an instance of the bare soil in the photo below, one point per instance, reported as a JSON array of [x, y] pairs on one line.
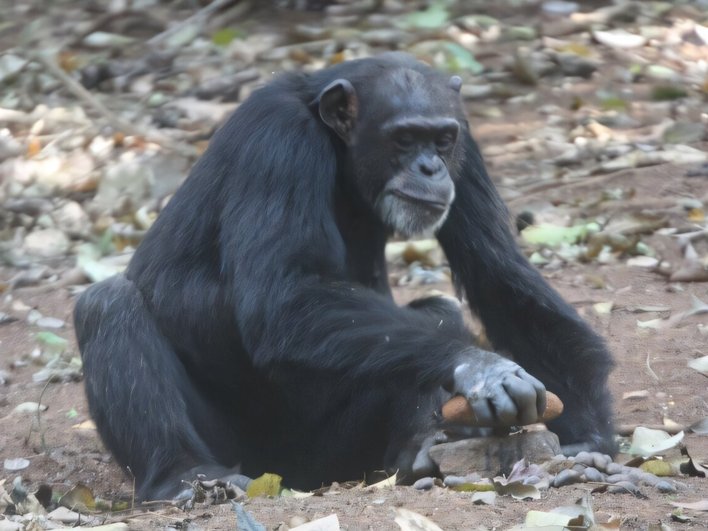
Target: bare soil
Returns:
[[647, 360], [63, 456]]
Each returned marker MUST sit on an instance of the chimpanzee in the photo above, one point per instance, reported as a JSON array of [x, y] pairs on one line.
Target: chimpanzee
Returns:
[[254, 329]]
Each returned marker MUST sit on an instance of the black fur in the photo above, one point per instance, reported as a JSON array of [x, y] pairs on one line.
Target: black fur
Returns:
[[255, 329]]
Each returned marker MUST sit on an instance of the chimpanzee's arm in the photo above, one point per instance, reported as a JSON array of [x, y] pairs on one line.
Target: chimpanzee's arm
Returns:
[[521, 313], [364, 338]]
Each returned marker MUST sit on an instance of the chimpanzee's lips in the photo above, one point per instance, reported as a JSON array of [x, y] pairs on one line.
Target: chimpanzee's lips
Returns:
[[426, 202]]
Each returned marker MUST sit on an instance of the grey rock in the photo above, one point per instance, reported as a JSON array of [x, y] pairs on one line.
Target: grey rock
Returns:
[[47, 243], [72, 219], [600, 461], [574, 65], [614, 468], [584, 458], [491, 456], [617, 478], [665, 487], [424, 484], [567, 477], [593, 474], [624, 487]]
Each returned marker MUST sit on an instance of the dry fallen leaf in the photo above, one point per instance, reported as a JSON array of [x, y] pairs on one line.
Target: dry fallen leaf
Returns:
[[700, 365], [701, 505], [411, 521], [647, 442]]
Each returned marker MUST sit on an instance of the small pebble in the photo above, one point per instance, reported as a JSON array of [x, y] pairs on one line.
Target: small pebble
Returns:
[[635, 474], [560, 8], [665, 487], [50, 322], [531, 480], [617, 478], [601, 461], [614, 468], [567, 477], [424, 484], [650, 479], [593, 474], [584, 458], [624, 487], [13, 465]]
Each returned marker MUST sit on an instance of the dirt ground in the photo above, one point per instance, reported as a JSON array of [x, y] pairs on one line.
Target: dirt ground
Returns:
[[64, 456], [655, 361]]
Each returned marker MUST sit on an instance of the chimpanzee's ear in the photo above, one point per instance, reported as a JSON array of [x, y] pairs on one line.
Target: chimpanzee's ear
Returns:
[[455, 83], [338, 106]]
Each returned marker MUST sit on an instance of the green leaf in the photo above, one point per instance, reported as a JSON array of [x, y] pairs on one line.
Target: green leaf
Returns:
[[225, 36], [434, 17], [473, 487], [461, 59], [52, 343], [555, 235], [668, 93]]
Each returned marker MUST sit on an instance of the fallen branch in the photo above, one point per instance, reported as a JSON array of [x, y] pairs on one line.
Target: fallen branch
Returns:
[[118, 123], [200, 17], [541, 188]]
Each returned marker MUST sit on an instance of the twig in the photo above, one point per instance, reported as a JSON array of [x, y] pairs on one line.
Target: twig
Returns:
[[200, 17], [116, 121], [544, 187], [78, 90], [106, 19], [651, 371], [39, 420], [71, 277]]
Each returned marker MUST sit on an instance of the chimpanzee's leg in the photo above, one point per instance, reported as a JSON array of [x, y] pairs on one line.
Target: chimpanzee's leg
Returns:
[[148, 411]]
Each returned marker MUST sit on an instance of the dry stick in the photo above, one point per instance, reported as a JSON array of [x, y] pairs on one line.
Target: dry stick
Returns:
[[543, 187], [78, 90], [71, 277], [651, 371], [199, 17], [104, 20], [39, 420]]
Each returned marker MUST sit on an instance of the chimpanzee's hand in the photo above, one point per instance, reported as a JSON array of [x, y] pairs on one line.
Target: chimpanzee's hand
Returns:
[[499, 391]]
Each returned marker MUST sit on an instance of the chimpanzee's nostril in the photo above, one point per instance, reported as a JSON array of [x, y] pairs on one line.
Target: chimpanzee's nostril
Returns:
[[430, 167]]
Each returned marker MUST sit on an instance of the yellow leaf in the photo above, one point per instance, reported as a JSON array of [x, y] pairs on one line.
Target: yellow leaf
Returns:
[[658, 468], [696, 214], [85, 425], [474, 487], [266, 485], [34, 146], [79, 498]]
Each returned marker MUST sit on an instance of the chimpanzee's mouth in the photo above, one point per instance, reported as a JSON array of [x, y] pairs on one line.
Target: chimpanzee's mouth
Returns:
[[426, 202]]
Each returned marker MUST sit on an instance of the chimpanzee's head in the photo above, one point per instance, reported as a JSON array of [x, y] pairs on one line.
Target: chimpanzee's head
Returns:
[[401, 132]]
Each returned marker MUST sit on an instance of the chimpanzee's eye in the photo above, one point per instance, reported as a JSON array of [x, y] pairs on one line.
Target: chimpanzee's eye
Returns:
[[444, 141], [404, 140]]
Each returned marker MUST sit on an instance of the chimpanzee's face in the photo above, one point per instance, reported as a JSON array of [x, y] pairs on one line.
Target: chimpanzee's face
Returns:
[[402, 136]]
